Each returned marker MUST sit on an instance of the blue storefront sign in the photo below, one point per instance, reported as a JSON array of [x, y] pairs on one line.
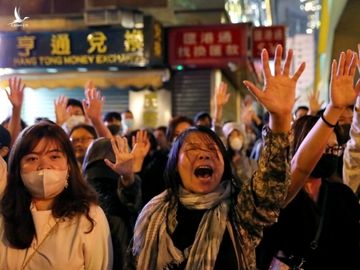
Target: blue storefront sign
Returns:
[[88, 48]]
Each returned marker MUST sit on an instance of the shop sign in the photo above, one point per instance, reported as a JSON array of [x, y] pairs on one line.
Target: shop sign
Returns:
[[208, 46], [267, 37], [88, 48]]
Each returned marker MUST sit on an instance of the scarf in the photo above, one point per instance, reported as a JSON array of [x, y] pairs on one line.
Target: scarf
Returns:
[[152, 244]]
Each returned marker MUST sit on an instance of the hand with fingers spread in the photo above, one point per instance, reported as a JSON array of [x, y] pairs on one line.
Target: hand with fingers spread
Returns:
[[141, 147], [60, 110], [278, 93], [16, 94], [342, 89], [93, 104], [221, 97], [314, 103], [124, 160], [16, 97]]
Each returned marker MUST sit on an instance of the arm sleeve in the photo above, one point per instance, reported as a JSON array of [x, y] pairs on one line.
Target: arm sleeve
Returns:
[[98, 251], [259, 201], [131, 196], [351, 166]]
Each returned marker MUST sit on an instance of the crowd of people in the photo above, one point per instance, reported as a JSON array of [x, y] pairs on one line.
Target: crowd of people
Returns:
[[273, 191]]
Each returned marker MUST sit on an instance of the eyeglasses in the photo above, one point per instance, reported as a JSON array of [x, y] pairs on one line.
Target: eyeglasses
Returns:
[[81, 140], [336, 150]]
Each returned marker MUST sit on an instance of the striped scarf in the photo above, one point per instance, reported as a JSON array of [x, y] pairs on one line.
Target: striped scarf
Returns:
[[152, 244]]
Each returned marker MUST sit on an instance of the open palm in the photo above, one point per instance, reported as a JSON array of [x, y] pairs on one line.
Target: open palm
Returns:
[[342, 90], [278, 93]]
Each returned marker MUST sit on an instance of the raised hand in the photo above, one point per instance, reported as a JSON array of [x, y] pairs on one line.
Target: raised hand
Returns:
[[221, 95], [16, 93], [60, 110], [278, 93], [124, 160], [141, 147], [342, 89], [314, 103], [93, 104]]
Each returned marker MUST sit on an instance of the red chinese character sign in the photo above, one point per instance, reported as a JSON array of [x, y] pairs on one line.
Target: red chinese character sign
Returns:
[[208, 46], [267, 37]]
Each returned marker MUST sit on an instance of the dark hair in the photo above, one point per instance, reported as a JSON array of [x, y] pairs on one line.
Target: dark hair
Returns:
[[109, 116], [15, 204], [7, 120], [76, 103], [5, 137], [88, 128], [161, 128], [201, 116], [170, 133], [172, 176], [301, 108], [301, 128]]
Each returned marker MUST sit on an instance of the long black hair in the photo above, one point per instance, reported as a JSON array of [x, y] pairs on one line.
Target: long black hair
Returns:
[[15, 204], [172, 176]]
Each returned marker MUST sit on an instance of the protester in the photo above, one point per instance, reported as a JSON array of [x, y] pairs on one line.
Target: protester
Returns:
[[203, 119], [119, 190], [322, 217], [49, 215], [243, 167], [227, 219], [81, 136], [113, 122], [176, 126], [127, 122]]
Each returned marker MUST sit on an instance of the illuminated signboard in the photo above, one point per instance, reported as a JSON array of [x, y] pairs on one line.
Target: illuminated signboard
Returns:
[[88, 48], [267, 37], [210, 45]]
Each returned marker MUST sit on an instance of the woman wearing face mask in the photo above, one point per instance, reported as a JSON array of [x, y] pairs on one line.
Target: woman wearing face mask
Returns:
[[243, 167], [327, 209], [49, 215]]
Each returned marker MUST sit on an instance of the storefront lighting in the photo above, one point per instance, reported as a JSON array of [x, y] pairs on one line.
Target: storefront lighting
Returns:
[[113, 68], [51, 70], [6, 71]]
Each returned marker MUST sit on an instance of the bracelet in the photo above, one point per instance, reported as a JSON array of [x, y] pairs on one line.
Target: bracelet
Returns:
[[326, 122]]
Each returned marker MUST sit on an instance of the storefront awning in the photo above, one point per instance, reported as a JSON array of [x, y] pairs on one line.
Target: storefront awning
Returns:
[[138, 79]]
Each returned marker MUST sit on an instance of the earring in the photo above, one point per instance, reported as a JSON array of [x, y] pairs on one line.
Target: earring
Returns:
[[67, 182]]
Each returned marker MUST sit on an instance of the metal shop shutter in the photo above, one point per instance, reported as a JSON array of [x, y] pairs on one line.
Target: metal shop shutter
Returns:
[[191, 90]]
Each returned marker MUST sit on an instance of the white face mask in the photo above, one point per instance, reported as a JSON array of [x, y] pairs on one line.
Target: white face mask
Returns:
[[236, 143], [73, 121], [128, 123], [45, 184]]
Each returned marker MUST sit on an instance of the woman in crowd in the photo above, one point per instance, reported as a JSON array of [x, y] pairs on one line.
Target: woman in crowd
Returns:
[[81, 136], [243, 166], [319, 229], [227, 217], [49, 215], [119, 191], [321, 218]]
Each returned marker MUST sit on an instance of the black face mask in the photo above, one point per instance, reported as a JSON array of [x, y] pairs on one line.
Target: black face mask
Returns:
[[343, 133], [114, 129], [326, 166]]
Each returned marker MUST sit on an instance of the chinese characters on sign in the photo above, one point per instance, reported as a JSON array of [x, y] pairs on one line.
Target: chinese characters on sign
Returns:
[[267, 38], [126, 47], [208, 45]]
